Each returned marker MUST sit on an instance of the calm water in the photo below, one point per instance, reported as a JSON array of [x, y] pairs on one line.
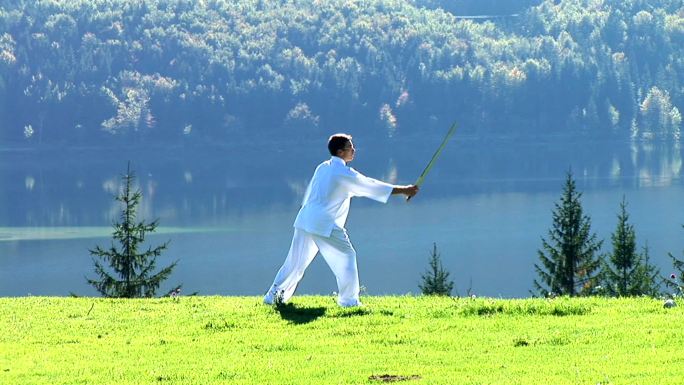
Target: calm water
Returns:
[[228, 211]]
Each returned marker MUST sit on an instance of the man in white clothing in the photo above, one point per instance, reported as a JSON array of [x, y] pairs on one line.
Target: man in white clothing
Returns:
[[319, 226]]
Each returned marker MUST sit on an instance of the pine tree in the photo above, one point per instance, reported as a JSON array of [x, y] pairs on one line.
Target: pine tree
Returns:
[[628, 273], [568, 259], [648, 281], [436, 279], [133, 274]]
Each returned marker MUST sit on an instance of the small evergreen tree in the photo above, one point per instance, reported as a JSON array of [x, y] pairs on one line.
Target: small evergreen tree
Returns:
[[648, 280], [568, 260], [133, 271], [628, 273], [436, 279]]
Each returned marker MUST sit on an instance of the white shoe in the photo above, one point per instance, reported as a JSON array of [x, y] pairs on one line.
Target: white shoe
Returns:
[[272, 297], [352, 303], [268, 298]]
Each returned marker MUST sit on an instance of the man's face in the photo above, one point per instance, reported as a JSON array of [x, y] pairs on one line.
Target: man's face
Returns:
[[347, 153]]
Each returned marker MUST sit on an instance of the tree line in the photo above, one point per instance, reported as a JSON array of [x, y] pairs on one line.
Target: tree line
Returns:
[[571, 262], [78, 71]]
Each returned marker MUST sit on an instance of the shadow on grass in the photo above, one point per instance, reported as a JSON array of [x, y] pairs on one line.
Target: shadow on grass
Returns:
[[299, 315], [353, 312]]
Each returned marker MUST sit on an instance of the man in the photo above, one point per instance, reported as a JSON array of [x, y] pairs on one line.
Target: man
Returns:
[[319, 226]]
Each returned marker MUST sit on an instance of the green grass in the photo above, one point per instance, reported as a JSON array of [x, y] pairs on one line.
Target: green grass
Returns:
[[407, 340]]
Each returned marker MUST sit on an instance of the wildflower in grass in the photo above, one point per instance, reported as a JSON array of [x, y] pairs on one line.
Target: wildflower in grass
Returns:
[[676, 281], [676, 287], [600, 290]]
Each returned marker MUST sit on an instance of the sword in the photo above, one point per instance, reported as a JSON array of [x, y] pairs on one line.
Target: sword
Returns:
[[427, 169]]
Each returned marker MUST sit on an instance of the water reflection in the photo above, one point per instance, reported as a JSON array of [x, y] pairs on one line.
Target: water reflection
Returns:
[[659, 164], [111, 185], [486, 204], [615, 170], [392, 173], [29, 182], [211, 189], [298, 188]]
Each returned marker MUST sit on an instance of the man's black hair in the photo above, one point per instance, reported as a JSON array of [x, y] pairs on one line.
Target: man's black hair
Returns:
[[338, 142]]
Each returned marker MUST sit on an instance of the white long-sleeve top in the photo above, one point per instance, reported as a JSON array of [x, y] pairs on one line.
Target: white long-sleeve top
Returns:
[[327, 198]]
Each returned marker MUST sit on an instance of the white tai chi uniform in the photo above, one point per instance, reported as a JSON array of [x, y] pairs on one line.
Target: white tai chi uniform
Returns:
[[320, 227]]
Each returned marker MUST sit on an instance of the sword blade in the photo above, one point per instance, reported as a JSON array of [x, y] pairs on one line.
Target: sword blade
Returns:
[[436, 155]]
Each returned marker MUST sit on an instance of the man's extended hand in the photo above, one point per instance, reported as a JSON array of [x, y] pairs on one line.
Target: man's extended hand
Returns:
[[409, 190]]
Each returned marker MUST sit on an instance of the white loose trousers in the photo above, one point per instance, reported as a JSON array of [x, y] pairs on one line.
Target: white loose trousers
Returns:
[[338, 253]]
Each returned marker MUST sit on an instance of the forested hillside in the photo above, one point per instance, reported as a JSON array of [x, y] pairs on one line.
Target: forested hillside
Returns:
[[84, 71]]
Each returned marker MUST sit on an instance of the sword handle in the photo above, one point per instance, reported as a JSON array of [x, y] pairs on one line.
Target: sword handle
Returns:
[[417, 185]]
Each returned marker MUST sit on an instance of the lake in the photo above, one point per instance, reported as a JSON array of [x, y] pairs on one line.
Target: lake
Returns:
[[228, 211]]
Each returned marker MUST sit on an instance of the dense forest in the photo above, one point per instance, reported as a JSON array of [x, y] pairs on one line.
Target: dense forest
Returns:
[[176, 71]]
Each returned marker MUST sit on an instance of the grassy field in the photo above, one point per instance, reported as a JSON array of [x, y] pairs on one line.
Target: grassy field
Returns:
[[406, 340]]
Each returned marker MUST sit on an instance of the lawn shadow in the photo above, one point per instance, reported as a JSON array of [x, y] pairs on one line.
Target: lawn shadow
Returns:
[[299, 315], [353, 312]]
